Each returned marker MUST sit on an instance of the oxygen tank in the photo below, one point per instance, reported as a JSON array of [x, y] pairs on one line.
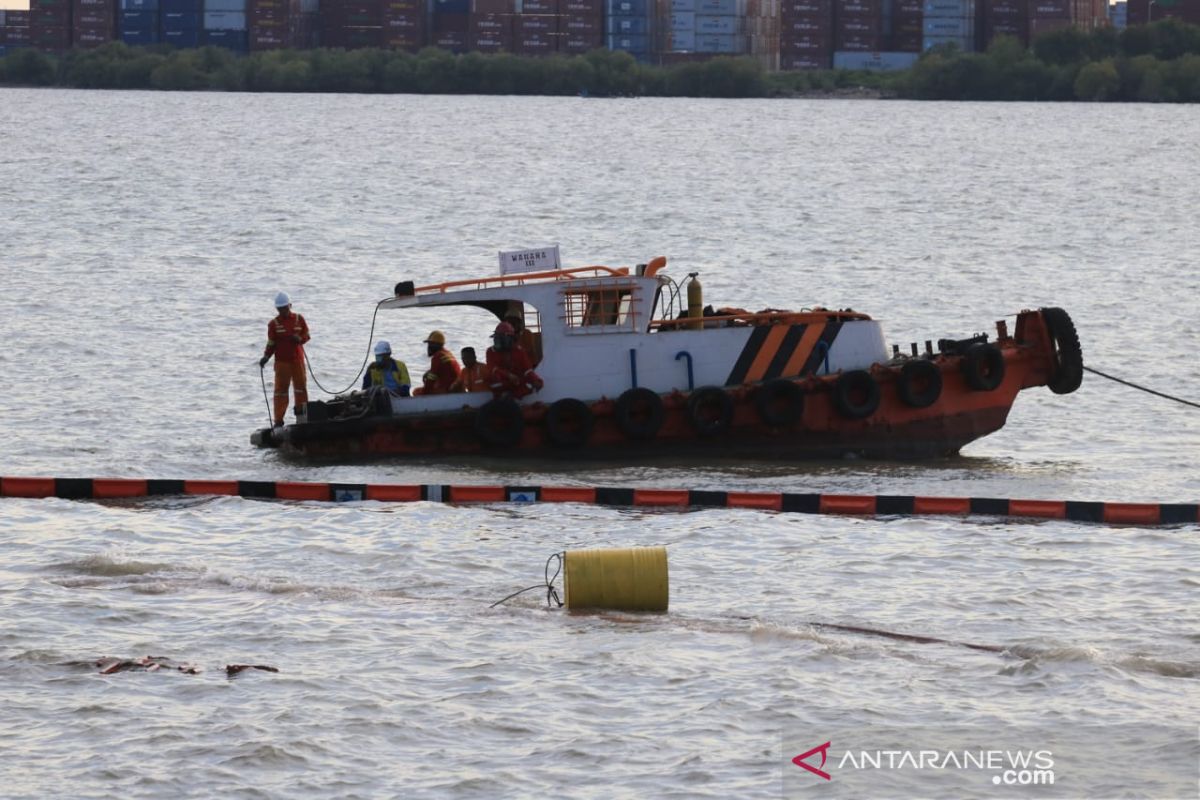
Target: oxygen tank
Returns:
[[695, 298]]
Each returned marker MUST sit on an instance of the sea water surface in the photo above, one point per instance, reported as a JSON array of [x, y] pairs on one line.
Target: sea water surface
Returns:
[[143, 237]]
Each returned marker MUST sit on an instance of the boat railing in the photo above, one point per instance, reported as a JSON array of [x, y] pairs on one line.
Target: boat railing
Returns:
[[521, 278], [752, 320]]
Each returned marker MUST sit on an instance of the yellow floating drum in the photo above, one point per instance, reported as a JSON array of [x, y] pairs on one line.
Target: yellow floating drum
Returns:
[[626, 579]]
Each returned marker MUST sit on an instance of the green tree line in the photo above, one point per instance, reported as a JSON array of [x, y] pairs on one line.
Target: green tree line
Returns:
[[1155, 63]]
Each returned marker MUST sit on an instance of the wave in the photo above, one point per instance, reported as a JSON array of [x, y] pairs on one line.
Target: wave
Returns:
[[106, 566]]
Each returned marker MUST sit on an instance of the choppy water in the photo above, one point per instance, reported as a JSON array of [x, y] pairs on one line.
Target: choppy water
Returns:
[[144, 235]]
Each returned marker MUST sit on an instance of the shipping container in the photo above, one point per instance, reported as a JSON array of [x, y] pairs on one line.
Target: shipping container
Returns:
[[580, 43], [949, 8], [579, 24], [139, 19], [451, 23], [799, 45], [538, 6], [229, 39], [724, 8], [805, 26], [855, 41], [682, 5], [791, 8], [182, 19], [792, 61], [858, 8], [964, 43], [628, 25], [949, 26], [15, 36], [136, 37], [581, 6], [536, 44], [454, 41], [17, 19], [639, 44], [403, 24], [403, 6], [681, 21], [720, 26], [489, 42], [51, 17], [225, 20], [1042, 25], [537, 23], [627, 8], [451, 7], [90, 17], [907, 42], [720, 43], [878, 62], [680, 41], [865, 26], [401, 40], [492, 6]]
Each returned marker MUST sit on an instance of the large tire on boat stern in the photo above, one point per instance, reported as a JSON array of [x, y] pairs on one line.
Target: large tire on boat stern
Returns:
[[639, 413], [500, 422], [919, 384], [710, 410], [569, 422], [780, 403], [1068, 355], [856, 394], [983, 367]]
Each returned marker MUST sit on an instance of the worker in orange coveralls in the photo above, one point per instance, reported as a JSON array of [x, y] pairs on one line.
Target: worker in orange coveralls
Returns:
[[474, 376], [442, 363], [511, 371], [286, 335]]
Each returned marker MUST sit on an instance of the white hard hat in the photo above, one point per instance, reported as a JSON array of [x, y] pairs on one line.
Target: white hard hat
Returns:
[[282, 300], [382, 348]]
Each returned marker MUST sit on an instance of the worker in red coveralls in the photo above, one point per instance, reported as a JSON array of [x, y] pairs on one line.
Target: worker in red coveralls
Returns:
[[442, 364], [511, 371], [286, 335]]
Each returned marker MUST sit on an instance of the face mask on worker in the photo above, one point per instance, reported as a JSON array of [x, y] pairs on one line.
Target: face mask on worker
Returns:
[[381, 359]]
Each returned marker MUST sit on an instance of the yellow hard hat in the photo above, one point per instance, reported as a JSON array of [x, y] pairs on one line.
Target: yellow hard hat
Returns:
[[437, 337]]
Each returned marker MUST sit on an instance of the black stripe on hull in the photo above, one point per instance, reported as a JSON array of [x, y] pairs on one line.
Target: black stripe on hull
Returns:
[[746, 359], [786, 348], [817, 357]]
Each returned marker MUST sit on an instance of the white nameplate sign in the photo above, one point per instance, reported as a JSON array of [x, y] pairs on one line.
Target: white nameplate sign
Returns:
[[538, 259]]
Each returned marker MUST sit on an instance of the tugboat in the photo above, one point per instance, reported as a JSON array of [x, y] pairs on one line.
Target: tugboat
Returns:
[[633, 363]]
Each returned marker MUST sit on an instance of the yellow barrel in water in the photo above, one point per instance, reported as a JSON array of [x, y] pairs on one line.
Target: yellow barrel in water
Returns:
[[628, 579]]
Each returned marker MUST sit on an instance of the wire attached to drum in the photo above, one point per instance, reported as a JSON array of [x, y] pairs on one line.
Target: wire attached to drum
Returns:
[[547, 584]]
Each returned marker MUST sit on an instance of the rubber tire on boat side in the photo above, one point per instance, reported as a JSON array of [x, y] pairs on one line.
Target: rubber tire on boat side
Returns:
[[983, 367], [856, 382], [569, 422], [710, 410], [919, 384], [1068, 355], [500, 422], [780, 403], [639, 413]]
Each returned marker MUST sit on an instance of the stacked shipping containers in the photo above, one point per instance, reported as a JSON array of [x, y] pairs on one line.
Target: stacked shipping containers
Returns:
[[949, 22], [536, 30], [404, 24], [859, 25], [351, 24], [274, 24], [629, 26], [137, 22], [1051, 15], [762, 32], [1005, 18], [491, 26], [1140, 12], [1117, 15], [908, 26], [581, 25], [93, 22], [14, 33], [451, 18], [805, 34], [50, 25], [224, 23], [180, 22]]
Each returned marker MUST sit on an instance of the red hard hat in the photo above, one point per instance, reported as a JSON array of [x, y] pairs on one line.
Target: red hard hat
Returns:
[[504, 329]]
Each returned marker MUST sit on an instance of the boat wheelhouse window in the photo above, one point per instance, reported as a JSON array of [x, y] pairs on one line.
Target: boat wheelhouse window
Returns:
[[600, 309]]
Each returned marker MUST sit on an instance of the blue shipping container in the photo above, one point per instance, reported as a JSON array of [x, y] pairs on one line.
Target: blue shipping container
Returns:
[[181, 20], [187, 37], [234, 40], [179, 6], [629, 43], [139, 5], [626, 8], [138, 36], [211, 6], [225, 21], [451, 6], [624, 25], [139, 20]]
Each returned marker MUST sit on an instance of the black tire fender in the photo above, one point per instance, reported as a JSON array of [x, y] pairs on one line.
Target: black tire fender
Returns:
[[569, 422], [983, 367], [1067, 354], [780, 403], [639, 413], [500, 422], [710, 410], [856, 394], [919, 384]]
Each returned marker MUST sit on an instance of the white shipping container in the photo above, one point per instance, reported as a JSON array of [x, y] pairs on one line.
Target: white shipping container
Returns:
[[718, 25], [681, 41], [880, 62], [225, 20], [683, 5], [949, 26], [949, 8], [965, 43], [224, 5], [682, 21]]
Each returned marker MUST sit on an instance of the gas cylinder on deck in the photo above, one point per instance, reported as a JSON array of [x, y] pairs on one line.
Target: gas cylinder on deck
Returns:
[[695, 298]]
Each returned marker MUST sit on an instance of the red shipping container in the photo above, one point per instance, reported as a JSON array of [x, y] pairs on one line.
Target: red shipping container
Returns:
[[496, 24], [1050, 8], [398, 23], [1007, 9], [540, 23], [539, 7], [488, 43], [492, 6], [17, 19], [579, 23], [580, 43], [50, 17], [812, 61], [536, 44], [394, 6], [109, 5], [14, 35], [413, 40], [454, 41], [859, 7], [859, 25], [91, 37], [858, 43], [1045, 24], [797, 45], [908, 42], [581, 6], [805, 25], [909, 7], [94, 18], [451, 23], [790, 8]]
